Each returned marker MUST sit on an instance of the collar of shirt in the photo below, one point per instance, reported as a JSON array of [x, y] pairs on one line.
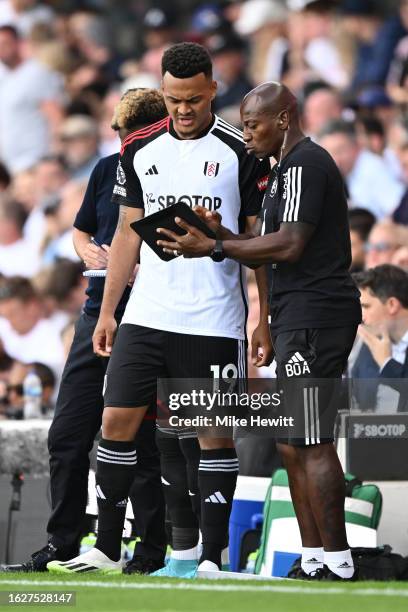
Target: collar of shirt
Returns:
[[399, 350], [209, 127]]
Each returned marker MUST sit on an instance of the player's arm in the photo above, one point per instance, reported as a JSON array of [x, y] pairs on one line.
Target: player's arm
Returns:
[[124, 254], [124, 251], [297, 223]]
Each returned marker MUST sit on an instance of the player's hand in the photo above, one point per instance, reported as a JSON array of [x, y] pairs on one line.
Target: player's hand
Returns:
[[379, 344], [104, 335], [210, 218], [95, 257], [192, 244], [262, 352]]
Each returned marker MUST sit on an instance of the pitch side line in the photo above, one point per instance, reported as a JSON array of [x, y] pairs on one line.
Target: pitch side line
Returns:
[[191, 586]]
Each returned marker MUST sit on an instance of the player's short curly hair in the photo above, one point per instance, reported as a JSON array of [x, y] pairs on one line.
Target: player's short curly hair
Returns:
[[137, 108], [186, 59]]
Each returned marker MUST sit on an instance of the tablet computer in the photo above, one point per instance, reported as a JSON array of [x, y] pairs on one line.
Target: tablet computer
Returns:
[[146, 227]]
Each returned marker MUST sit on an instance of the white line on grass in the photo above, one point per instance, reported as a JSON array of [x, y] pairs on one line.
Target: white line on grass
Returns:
[[193, 586]]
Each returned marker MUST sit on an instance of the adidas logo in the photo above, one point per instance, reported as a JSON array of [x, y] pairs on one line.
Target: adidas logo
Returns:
[[313, 561], [152, 170], [297, 366], [121, 503], [344, 565], [216, 498]]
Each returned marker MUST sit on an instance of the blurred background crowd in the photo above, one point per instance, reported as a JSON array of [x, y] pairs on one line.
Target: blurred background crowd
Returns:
[[65, 64]]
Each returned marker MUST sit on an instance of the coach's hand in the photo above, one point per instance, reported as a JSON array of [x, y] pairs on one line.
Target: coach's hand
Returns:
[[211, 218], [104, 336], [95, 257], [192, 244], [262, 351]]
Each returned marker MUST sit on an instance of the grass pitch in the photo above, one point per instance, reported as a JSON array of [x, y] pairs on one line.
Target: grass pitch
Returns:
[[143, 594]]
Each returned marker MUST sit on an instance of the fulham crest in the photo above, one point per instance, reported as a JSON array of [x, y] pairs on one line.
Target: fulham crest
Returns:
[[211, 168]]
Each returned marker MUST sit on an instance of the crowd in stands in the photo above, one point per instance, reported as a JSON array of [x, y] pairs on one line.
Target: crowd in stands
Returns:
[[63, 68]]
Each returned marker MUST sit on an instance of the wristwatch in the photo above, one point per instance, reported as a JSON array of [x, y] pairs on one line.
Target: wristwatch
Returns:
[[217, 254]]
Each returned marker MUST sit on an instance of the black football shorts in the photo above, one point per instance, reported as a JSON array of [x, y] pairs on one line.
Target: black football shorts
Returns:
[[141, 355], [310, 364]]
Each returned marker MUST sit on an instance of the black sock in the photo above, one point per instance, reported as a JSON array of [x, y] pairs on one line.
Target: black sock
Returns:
[[116, 462], [217, 478]]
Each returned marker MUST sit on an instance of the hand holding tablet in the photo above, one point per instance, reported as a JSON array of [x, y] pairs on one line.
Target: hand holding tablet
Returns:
[[147, 227]]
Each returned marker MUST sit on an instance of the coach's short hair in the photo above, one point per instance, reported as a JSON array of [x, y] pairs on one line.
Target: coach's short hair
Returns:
[[384, 282], [186, 59], [138, 107]]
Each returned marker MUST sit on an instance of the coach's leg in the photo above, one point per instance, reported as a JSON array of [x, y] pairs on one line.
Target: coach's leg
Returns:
[[312, 547], [326, 491], [217, 479], [116, 465]]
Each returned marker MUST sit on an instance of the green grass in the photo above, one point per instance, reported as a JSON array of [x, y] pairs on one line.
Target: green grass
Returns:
[[143, 594]]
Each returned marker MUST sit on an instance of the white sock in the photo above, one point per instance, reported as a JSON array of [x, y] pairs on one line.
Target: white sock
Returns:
[[312, 559], [340, 562], [191, 554]]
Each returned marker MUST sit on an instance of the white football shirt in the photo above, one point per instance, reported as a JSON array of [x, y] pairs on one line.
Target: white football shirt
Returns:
[[157, 169]]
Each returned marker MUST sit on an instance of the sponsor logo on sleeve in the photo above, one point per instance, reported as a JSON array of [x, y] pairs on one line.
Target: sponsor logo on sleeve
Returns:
[[120, 174], [262, 183]]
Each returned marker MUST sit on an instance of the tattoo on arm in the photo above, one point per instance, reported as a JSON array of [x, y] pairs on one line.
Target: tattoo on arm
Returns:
[[121, 220]]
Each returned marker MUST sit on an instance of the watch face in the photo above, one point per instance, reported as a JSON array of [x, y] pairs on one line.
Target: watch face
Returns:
[[218, 256]]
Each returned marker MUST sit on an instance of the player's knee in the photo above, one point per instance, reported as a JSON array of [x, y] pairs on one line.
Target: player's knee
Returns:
[[120, 424], [216, 443]]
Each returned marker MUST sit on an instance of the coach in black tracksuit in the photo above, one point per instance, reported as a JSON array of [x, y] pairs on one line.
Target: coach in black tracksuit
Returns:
[[302, 232], [78, 413]]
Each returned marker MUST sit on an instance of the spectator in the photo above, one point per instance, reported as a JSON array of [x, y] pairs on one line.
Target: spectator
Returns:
[[79, 145], [370, 183], [30, 104], [321, 105], [159, 34], [384, 301], [361, 221], [49, 176], [401, 213], [26, 334], [62, 287], [5, 178], [371, 134], [229, 61], [61, 243], [17, 257], [263, 22], [47, 377], [383, 242], [24, 14], [397, 77], [375, 37], [321, 54]]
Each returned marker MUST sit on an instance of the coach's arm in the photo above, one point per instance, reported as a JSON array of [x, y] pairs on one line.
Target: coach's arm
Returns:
[[123, 256]]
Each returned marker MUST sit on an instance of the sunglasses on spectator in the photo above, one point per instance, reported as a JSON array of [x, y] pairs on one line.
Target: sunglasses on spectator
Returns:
[[380, 247]]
